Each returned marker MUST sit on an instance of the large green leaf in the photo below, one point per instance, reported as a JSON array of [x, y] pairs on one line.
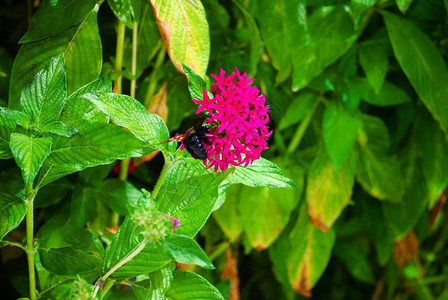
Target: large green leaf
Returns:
[[53, 17], [379, 172], [81, 47], [97, 144], [155, 287], [12, 212], [189, 193], [374, 61], [125, 241], [70, 250], [328, 37], [403, 5], [328, 191], [45, 96], [356, 261], [310, 251], [78, 108], [388, 95], [29, 154], [422, 63], [184, 30], [128, 112], [340, 128], [185, 250], [281, 24], [187, 285]]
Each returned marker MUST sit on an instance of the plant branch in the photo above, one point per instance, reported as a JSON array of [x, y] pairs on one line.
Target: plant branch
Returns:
[[30, 194], [166, 167], [118, 265], [297, 138]]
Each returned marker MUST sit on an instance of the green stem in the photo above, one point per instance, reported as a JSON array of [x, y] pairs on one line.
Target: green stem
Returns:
[[152, 80], [166, 167], [134, 59], [297, 138], [118, 265], [123, 174], [119, 56], [30, 240]]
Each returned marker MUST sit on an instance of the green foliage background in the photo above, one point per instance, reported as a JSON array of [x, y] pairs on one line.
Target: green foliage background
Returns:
[[359, 107]]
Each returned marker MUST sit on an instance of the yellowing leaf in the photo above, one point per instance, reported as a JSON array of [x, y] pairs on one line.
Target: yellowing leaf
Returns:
[[328, 192], [184, 30]]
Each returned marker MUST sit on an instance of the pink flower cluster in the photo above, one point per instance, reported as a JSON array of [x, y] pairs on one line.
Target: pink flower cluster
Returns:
[[237, 121]]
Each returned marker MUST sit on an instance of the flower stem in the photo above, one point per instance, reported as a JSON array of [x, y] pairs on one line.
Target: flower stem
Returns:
[[134, 59], [115, 217], [118, 265], [297, 138], [166, 167], [30, 240]]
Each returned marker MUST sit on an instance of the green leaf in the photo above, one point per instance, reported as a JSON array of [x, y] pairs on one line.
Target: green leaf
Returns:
[[340, 128], [264, 213], [189, 193], [422, 63], [328, 192], [378, 172], [185, 250], [53, 17], [403, 5], [125, 11], [401, 217], [374, 61], [228, 216], [154, 288], [7, 126], [52, 193], [388, 95], [184, 30], [70, 250], [44, 97], [128, 112], [281, 24], [84, 55], [298, 109], [97, 144], [433, 146], [29, 154], [376, 225], [82, 205], [329, 36], [356, 261], [309, 254], [81, 47], [118, 195], [261, 172], [189, 285], [196, 85], [12, 212], [78, 108], [125, 241], [60, 128]]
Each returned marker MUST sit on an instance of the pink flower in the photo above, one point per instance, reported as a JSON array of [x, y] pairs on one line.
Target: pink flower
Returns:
[[237, 121], [176, 222]]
